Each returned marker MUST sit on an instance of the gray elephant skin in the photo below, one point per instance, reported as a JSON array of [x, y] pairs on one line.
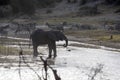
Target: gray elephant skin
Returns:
[[41, 37]]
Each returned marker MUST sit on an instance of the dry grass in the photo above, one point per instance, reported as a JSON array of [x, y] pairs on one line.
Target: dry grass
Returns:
[[87, 33], [13, 51], [8, 50], [95, 34], [116, 38]]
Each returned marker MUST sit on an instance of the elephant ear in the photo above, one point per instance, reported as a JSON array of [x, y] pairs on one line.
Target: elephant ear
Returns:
[[59, 35], [52, 36]]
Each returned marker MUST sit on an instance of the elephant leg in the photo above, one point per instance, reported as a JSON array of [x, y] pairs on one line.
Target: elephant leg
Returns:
[[35, 53], [54, 49], [50, 51]]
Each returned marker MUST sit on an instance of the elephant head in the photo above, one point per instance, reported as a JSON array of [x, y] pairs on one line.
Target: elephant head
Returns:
[[41, 37], [58, 36]]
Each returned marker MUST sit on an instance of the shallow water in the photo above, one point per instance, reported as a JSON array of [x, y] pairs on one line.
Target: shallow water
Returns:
[[72, 63]]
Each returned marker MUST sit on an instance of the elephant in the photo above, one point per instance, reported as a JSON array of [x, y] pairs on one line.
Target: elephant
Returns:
[[41, 37]]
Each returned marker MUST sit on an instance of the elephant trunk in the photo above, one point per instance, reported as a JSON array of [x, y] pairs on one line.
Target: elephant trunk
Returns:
[[65, 45]]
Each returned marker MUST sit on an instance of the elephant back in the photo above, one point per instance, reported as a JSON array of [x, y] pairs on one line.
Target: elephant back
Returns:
[[39, 36]]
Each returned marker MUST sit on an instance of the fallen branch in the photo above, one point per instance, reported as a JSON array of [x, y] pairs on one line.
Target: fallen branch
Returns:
[[53, 70]]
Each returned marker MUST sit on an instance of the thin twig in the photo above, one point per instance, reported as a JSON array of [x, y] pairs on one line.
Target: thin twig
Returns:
[[21, 54], [31, 67], [20, 65]]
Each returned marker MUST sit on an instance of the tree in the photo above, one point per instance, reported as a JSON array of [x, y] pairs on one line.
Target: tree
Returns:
[[15, 6], [23, 6], [27, 6], [4, 2], [82, 2], [47, 3]]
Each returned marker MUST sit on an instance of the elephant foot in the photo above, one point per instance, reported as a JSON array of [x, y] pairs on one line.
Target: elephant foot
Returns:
[[49, 57], [41, 53], [34, 59], [55, 56]]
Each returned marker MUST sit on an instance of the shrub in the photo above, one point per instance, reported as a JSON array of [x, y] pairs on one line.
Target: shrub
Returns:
[[113, 2], [49, 11], [27, 6], [117, 27], [87, 27], [88, 10], [24, 6], [15, 6], [5, 11], [46, 3], [117, 11], [4, 2], [82, 2], [72, 1], [58, 0]]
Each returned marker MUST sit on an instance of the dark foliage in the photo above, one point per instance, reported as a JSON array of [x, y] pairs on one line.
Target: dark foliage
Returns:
[[18, 6], [109, 1], [27, 6], [4, 2], [117, 27], [117, 11], [72, 1], [82, 2], [24, 6], [117, 2], [15, 6], [58, 0], [113, 2], [89, 10], [46, 3], [49, 11]]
